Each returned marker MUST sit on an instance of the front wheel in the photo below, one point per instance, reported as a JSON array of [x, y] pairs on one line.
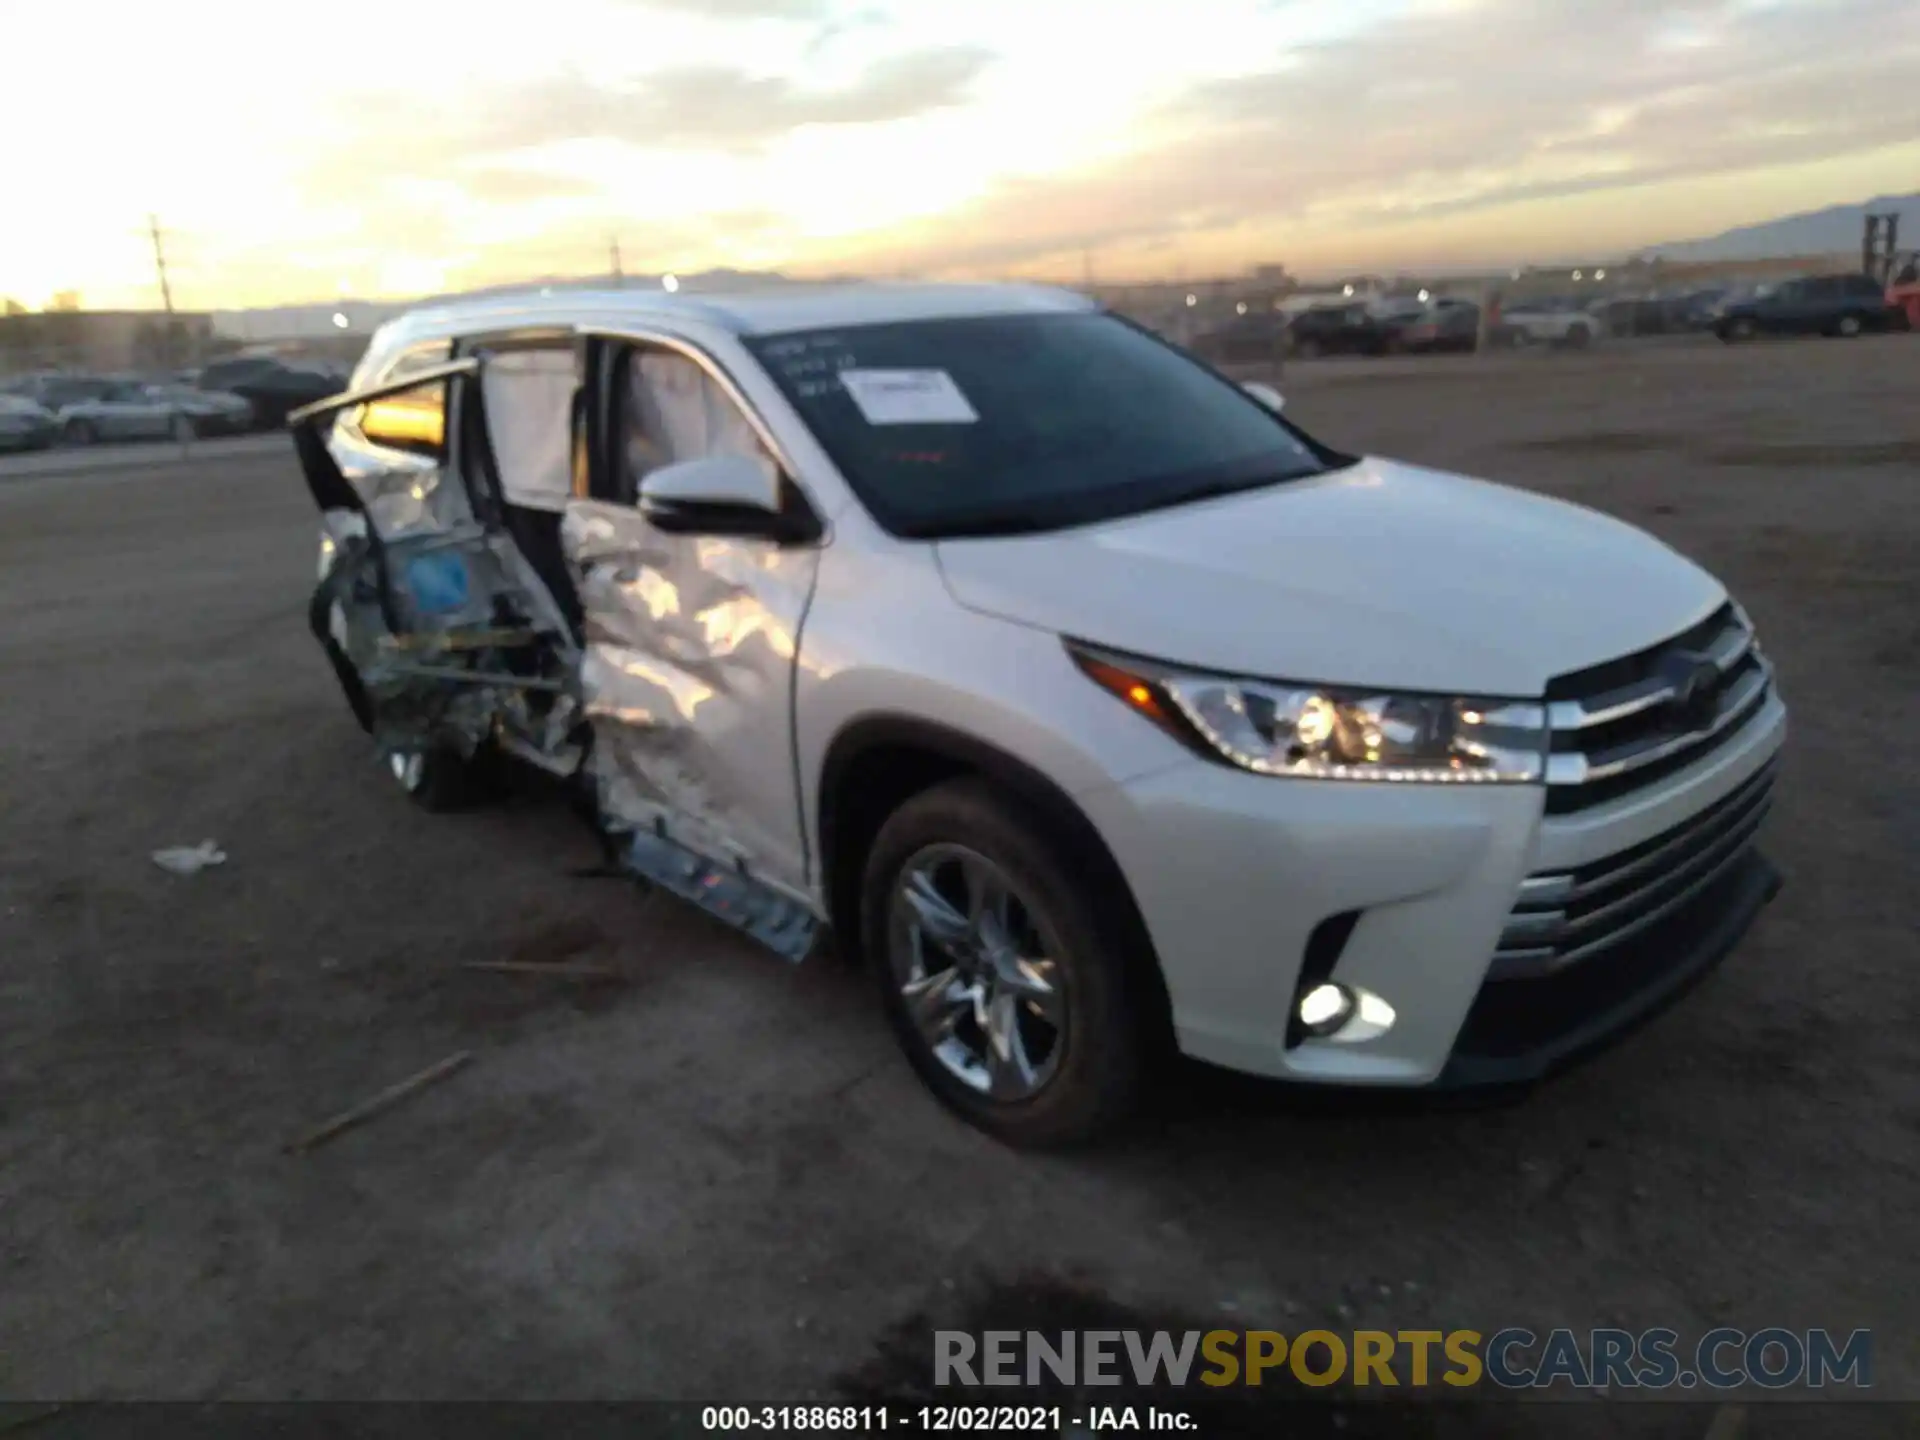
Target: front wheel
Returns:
[[1579, 337], [1004, 975], [1848, 327], [182, 430], [80, 432], [436, 777]]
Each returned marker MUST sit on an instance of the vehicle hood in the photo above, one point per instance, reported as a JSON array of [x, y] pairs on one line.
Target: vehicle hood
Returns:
[[1379, 574]]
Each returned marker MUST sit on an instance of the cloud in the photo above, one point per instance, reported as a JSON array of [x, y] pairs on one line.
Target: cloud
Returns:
[[712, 107], [1461, 108], [687, 108], [512, 185]]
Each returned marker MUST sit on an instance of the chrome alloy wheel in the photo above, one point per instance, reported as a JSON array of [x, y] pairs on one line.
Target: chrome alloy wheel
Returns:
[[973, 961]]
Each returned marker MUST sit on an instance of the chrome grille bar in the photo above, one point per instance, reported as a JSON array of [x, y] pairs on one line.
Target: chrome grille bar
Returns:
[[1736, 705], [1640, 719], [1729, 650]]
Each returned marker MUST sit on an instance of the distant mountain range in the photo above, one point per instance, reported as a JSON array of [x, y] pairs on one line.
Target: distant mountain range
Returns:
[[1835, 230]]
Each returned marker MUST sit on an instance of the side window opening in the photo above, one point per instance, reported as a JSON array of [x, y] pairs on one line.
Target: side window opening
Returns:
[[674, 410], [526, 394]]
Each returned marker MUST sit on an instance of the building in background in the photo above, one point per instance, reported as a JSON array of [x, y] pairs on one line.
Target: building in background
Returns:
[[103, 340]]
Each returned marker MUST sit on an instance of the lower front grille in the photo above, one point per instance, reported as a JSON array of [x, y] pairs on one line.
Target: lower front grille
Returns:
[[1565, 917], [1519, 1030]]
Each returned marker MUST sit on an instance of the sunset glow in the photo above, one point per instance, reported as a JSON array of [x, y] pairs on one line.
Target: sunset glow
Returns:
[[379, 150]]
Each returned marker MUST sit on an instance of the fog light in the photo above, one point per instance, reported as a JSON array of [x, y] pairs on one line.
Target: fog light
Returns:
[[1341, 1014], [1325, 1008]]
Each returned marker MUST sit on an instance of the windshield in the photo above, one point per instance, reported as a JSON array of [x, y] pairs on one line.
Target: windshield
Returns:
[[1002, 424]]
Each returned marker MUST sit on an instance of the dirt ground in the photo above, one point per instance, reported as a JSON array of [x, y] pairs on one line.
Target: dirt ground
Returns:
[[712, 1176]]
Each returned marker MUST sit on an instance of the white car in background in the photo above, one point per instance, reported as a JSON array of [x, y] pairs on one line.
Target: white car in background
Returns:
[[1551, 322], [134, 410], [1093, 703]]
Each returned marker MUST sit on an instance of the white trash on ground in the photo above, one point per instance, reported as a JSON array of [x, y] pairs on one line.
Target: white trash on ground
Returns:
[[189, 859]]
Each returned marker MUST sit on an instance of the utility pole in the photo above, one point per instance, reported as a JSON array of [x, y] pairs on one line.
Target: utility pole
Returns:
[[160, 263], [619, 280]]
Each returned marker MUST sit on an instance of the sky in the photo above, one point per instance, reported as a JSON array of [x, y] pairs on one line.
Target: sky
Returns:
[[389, 148]]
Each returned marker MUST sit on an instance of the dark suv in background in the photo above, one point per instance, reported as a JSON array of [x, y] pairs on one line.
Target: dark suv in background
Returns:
[[273, 387], [1816, 305]]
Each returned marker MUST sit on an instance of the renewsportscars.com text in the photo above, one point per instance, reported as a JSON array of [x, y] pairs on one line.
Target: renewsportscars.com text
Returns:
[[1513, 1358]]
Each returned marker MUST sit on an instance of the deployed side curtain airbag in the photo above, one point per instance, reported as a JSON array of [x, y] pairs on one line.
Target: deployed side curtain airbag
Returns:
[[529, 400]]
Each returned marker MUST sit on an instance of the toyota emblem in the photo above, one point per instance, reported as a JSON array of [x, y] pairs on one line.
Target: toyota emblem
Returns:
[[1695, 682]]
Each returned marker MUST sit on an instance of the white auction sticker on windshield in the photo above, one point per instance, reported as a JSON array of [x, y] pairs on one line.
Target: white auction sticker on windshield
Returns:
[[908, 397]]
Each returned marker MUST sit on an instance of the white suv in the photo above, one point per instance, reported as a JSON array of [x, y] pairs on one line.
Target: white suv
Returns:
[[1091, 702]]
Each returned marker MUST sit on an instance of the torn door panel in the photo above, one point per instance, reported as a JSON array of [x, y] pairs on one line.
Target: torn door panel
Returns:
[[440, 633], [689, 650]]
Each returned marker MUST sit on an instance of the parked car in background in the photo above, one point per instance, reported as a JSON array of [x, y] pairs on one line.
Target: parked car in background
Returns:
[[213, 412], [1450, 326], [1843, 305], [1551, 322], [55, 391], [26, 424], [272, 387], [131, 410], [1697, 309], [1341, 330]]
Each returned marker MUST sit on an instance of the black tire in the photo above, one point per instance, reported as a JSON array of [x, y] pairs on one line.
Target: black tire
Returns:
[[182, 429], [79, 432], [1096, 1083], [1849, 327], [1735, 331], [1579, 337], [1308, 349]]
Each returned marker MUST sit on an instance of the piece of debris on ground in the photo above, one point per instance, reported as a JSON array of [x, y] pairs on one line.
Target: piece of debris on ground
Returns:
[[381, 1103], [189, 859]]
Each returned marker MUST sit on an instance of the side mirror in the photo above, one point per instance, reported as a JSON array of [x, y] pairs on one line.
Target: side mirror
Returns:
[[723, 495], [1266, 395]]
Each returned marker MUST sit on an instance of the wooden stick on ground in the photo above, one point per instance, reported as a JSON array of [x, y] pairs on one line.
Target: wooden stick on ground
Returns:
[[534, 967], [379, 1104]]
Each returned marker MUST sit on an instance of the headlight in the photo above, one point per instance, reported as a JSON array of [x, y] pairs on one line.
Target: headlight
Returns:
[[1324, 732]]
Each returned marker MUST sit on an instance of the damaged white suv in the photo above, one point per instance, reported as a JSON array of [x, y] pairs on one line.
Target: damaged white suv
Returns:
[[1091, 702]]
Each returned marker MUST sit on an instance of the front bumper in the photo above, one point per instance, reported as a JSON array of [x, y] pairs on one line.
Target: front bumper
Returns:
[[1234, 872]]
